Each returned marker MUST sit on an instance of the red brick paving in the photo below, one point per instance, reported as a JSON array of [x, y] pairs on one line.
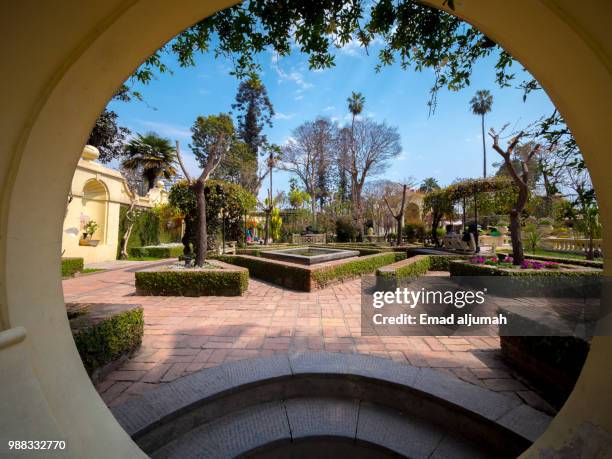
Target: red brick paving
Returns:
[[184, 335]]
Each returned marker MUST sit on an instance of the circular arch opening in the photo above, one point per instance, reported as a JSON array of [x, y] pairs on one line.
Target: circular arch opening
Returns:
[[81, 63]]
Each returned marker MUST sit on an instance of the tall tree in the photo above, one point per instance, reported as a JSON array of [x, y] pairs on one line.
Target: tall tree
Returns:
[[255, 111], [481, 104], [153, 155], [428, 185], [108, 137], [212, 137], [374, 144], [521, 179], [310, 150], [343, 147]]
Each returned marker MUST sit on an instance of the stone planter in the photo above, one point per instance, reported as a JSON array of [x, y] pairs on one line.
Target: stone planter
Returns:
[[89, 242]]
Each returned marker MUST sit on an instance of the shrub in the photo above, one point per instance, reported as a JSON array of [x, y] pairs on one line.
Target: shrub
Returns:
[[414, 231], [362, 265], [107, 340], [294, 277], [345, 230], [156, 252], [145, 232], [411, 267], [192, 282], [71, 266]]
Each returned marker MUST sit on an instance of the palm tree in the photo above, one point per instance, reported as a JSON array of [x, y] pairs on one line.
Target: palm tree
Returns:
[[355, 105], [481, 104], [153, 155], [428, 185]]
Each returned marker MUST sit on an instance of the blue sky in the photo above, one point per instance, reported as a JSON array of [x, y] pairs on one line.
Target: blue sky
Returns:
[[446, 145]]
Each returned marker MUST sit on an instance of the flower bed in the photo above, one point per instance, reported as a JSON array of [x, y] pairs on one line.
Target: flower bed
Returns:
[[217, 279]]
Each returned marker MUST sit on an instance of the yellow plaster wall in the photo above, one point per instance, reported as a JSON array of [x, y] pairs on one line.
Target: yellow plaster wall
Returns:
[[55, 55]]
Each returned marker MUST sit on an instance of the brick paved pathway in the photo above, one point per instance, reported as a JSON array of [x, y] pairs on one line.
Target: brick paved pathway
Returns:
[[184, 335]]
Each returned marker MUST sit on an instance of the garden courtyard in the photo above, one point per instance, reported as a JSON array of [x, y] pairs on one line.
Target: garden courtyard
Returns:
[[183, 335]]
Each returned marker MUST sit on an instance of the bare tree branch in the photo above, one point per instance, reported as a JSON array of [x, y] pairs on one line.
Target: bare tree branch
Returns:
[[180, 161]]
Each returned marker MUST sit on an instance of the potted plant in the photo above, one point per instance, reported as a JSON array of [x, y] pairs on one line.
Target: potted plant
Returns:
[[90, 229]]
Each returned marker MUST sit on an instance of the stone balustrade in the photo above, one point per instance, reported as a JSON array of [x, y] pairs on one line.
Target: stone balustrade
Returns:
[[308, 238], [570, 244]]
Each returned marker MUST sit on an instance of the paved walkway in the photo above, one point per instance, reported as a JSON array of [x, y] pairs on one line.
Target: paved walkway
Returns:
[[184, 335]]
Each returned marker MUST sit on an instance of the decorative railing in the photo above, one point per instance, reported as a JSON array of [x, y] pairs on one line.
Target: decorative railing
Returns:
[[570, 245], [308, 238]]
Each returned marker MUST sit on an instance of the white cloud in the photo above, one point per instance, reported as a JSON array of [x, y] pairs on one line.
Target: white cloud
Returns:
[[283, 116], [329, 108], [165, 129], [293, 75], [299, 97]]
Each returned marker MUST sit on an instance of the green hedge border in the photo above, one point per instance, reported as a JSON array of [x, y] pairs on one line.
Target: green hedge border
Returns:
[[110, 339], [205, 282], [155, 252], [567, 261], [71, 266], [309, 278], [463, 268]]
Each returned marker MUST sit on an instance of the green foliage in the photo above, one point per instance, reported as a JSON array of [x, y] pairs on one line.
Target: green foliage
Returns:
[[71, 266], [254, 112], [414, 231], [110, 339], [210, 133], [108, 137], [298, 198], [463, 268], [533, 236], [410, 267], [293, 277], [345, 230], [155, 252], [276, 222], [192, 282], [91, 227], [151, 155], [362, 265], [145, 232], [231, 197]]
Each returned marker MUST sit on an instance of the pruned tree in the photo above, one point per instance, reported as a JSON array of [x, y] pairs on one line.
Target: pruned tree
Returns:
[[521, 179], [374, 145], [212, 137], [397, 212]]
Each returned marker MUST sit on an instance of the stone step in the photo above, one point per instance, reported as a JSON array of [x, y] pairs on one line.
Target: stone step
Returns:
[[222, 398], [318, 427]]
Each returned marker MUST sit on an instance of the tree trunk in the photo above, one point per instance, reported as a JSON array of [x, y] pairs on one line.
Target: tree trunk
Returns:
[[484, 149], [590, 252], [202, 236], [186, 239], [517, 239], [400, 221], [128, 232]]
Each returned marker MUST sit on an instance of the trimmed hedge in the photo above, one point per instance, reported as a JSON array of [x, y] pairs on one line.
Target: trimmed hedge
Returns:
[[71, 266], [308, 278], [156, 252], [567, 261], [462, 268], [192, 282], [362, 265], [411, 267], [442, 262], [293, 277], [110, 339]]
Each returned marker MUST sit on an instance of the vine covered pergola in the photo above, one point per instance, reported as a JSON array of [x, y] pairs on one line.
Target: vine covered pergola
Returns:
[[442, 202]]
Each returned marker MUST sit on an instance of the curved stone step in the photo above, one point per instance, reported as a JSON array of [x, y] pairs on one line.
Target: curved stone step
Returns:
[[318, 427], [498, 424]]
